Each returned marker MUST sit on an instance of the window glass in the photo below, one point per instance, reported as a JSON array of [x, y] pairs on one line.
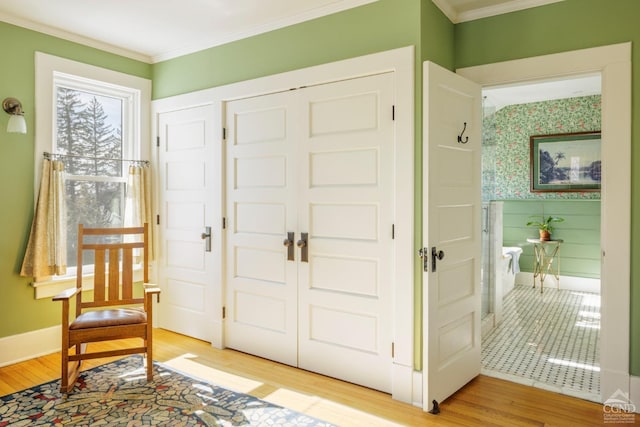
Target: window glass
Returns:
[[94, 119]]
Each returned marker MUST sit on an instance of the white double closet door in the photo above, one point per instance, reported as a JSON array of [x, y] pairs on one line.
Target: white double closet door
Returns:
[[309, 239]]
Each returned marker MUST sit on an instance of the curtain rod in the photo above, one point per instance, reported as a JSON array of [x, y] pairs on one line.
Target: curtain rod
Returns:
[[52, 156]]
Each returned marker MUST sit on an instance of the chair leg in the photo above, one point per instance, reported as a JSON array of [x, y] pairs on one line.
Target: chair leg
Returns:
[[64, 371], [149, 360]]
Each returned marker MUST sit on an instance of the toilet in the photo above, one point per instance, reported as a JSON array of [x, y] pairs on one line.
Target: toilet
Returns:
[[509, 266]]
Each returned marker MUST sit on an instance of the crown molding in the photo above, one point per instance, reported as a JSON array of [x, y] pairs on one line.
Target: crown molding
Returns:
[[485, 12], [75, 38]]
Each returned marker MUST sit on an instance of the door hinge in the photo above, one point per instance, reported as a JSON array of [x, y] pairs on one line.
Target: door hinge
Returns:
[[224, 134], [224, 313], [157, 141], [393, 231], [157, 219], [393, 350], [224, 223], [393, 112]]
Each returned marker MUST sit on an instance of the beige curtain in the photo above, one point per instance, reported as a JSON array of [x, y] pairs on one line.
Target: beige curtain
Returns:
[[137, 209], [46, 253]]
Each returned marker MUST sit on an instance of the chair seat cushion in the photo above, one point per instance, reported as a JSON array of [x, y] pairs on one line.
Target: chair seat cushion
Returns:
[[112, 317]]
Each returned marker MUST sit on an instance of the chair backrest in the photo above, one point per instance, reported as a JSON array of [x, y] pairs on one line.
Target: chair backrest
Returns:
[[114, 251]]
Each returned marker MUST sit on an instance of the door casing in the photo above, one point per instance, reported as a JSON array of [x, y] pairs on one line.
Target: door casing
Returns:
[[613, 62]]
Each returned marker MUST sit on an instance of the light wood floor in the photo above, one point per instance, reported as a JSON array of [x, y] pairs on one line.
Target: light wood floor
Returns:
[[484, 401]]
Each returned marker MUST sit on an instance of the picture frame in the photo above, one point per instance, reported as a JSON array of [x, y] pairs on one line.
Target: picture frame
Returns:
[[566, 162]]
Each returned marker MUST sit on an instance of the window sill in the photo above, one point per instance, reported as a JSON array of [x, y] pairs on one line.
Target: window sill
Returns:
[[51, 287]]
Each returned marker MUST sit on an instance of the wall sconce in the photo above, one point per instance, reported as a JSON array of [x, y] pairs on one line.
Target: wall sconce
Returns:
[[16, 124]]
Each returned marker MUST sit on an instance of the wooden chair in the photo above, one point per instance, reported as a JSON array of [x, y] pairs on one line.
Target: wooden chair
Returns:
[[111, 311]]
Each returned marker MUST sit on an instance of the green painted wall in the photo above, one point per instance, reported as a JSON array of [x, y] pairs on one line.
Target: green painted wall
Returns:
[[558, 27], [19, 311], [580, 251]]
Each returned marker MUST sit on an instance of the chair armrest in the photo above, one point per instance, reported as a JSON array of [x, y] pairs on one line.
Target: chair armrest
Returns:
[[151, 289], [66, 294]]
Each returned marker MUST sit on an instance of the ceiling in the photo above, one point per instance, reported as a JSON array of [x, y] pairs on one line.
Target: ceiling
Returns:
[[156, 30]]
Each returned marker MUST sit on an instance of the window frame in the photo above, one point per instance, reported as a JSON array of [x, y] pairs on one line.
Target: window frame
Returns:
[[50, 72]]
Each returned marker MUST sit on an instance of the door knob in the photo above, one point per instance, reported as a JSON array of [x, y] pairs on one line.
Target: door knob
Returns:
[[206, 236], [288, 243], [435, 255], [304, 247]]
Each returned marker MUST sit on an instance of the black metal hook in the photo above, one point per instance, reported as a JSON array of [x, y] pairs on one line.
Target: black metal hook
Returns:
[[462, 133]]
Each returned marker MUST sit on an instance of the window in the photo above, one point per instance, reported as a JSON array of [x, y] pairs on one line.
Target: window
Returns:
[[95, 118]]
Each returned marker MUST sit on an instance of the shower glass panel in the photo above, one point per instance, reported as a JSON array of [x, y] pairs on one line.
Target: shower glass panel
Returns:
[[488, 194]]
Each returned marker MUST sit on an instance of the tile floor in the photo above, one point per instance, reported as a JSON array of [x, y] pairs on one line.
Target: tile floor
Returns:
[[547, 340]]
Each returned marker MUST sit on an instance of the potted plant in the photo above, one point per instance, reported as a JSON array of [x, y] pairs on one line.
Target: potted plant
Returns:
[[545, 225]]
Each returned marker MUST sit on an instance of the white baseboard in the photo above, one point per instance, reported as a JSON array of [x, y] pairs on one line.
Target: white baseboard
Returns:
[[634, 393], [21, 347], [401, 382], [571, 283], [417, 389]]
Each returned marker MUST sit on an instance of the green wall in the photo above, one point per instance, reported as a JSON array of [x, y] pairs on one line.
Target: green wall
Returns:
[[19, 311], [558, 27], [580, 251]]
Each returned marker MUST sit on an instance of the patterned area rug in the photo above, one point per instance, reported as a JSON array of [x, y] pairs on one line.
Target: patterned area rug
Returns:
[[117, 394]]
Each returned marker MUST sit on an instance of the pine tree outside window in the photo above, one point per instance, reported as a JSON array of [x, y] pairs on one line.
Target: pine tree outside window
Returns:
[[89, 130]]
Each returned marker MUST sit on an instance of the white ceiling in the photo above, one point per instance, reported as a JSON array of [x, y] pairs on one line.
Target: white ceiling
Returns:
[[156, 30]]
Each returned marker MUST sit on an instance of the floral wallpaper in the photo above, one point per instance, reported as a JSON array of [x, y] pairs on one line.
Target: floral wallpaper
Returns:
[[506, 143]]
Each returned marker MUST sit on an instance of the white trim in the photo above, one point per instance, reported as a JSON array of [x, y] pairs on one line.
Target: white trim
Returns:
[[614, 64], [487, 11], [65, 35], [32, 344], [634, 392], [401, 63]]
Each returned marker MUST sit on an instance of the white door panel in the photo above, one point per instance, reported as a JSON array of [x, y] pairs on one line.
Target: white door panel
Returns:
[[261, 282], [451, 226], [185, 172], [346, 206], [319, 161]]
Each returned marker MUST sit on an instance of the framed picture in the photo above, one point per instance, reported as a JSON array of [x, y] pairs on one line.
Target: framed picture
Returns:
[[566, 162]]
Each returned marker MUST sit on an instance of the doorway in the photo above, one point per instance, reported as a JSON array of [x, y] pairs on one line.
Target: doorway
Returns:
[[613, 62], [549, 339]]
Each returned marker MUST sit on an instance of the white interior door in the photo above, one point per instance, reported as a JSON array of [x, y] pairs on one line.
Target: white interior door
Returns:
[[451, 188], [317, 161], [345, 204], [186, 153], [262, 298]]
